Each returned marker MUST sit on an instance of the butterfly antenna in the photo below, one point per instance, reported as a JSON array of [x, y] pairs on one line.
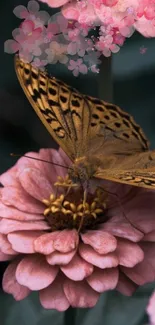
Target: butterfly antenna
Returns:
[[121, 208], [46, 161]]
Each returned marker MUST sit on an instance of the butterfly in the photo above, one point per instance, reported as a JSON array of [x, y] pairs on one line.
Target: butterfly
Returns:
[[101, 139]]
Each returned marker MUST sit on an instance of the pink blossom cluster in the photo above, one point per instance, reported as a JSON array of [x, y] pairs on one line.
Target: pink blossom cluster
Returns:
[[79, 34]]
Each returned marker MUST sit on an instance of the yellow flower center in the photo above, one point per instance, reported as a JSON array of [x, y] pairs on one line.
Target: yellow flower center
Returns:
[[68, 210]]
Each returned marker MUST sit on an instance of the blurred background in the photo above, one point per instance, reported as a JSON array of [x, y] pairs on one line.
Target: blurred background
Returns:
[[129, 83]]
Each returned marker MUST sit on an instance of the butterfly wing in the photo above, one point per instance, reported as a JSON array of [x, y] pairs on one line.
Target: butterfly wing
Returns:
[[62, 109], [80, 124], [137, 170]]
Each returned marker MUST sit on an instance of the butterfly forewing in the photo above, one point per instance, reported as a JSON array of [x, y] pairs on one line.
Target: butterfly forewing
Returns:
[[61, 108], [87, 127]]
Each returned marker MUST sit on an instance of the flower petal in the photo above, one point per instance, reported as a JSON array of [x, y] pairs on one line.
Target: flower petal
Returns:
[[77, 269], [120, 228], [101, 241], [23, 241], [10, 284], [143, 272], [129, 254], [150, 236], [5, 246], [125, 285], [66, 241], [25, 162], [103, 280], [35, 273], [57, 258], [35, 184], [55, 3], [151, 309], [7, 226], [80, 294], [19, 199], [15, 214], [33, 6], [20, 11], [44, 244], [56, 157], [11, 46], [9, 178], [53, 297], [5, 257], [92, 257]]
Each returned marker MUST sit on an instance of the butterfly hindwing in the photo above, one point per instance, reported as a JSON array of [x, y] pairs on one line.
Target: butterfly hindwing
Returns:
[[137, 170]]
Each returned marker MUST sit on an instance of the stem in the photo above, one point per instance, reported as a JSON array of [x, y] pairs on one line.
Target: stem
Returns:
[[70, 316], [105, 87]]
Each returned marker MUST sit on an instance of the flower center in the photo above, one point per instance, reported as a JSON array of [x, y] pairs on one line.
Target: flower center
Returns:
[[68, 209]]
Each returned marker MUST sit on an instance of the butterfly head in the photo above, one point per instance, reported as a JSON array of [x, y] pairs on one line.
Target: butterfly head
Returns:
[[81, 171]]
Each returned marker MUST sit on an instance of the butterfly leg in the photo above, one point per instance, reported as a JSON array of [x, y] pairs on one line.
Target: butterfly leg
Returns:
[[84, 207]]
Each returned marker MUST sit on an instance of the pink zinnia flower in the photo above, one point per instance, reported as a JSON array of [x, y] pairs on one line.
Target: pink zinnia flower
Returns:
[[68, 254]]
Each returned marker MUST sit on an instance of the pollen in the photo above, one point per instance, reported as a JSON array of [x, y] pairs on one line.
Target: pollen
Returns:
[[70, 211]]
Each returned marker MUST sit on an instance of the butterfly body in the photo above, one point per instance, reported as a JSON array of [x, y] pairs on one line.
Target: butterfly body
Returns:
[[101, 140], [81, 171]]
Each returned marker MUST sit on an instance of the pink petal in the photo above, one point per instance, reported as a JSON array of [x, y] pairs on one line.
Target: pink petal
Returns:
[[143, 213], [129, 254], [19, 199], [125, 286], [26, 162], [7, 226], [44, 244], [77, 269], [55, 157], [80, 294], [150, 236], [55, 3], [11, 46], [120, 228], [151, 309], [20, 11], [101, 241], [9, 178], [103, 280], [5, 257], [15, 214], [27, 26], [10, 284], [53, 297], [66, 241], [35, 184], [35, 273], [23, 241], [143, 272], [92, 257], [70, 12], [57, 258], [5, 246], [33, 7]]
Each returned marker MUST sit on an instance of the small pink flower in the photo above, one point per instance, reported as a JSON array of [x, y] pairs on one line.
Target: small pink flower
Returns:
[[77, 66], [27, 40], [32, 13], [143, 49], [39, 235]]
